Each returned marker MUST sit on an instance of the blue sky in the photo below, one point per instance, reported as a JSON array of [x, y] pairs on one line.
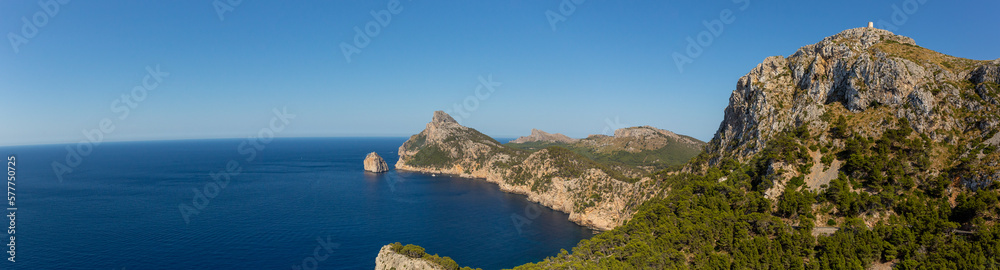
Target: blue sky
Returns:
[[607, 65]]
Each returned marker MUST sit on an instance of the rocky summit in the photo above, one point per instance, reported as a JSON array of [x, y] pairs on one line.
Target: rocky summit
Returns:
[[869, 81], [861, 71], [375, 163]]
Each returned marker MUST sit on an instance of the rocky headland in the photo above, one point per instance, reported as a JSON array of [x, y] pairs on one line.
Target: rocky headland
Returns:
[[388, 259], [593, 194]]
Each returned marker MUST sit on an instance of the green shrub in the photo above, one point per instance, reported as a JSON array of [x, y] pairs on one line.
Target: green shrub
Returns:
[[431, 156], [412, 251]]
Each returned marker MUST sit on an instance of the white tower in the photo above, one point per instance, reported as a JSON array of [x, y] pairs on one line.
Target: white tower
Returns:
[[871, 25]]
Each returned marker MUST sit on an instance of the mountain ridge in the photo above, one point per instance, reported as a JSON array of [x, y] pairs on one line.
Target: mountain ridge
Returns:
[[542, 136], [644, 148]]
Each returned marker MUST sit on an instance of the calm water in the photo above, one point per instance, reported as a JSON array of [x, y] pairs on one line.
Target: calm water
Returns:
[[120, 209]]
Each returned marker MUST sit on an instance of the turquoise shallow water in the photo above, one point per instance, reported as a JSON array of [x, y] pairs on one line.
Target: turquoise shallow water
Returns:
[[120, 208]]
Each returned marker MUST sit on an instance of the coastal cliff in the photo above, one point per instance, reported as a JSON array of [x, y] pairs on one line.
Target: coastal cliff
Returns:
[[388, 259], [593, 194]]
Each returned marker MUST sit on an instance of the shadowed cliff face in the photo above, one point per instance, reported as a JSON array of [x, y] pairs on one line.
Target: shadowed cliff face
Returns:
[[872, 77], [593, 194]]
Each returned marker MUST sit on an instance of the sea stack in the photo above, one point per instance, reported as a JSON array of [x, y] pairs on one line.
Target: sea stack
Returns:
[[375, 163]]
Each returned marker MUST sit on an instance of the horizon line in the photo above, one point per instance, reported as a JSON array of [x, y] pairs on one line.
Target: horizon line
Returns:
[[223, 138]]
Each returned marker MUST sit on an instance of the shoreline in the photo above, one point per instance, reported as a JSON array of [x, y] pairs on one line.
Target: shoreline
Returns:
[[510, 189]]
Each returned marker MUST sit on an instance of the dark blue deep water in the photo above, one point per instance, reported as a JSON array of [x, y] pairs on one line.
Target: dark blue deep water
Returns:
[[120, 209]]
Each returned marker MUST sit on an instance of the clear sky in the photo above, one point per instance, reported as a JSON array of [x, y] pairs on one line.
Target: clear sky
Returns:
[[605, 64]]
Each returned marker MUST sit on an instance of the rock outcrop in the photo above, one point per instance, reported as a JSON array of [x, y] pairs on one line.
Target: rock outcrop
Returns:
[[375, 163], [389, 260], [594, 195], [542, 136], [871, 76]]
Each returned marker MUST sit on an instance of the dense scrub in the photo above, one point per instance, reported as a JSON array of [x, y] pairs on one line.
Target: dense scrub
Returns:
[[704, 224], [673, 155]]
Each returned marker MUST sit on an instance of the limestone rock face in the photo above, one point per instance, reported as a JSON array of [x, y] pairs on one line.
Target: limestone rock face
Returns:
[[874, 78], [542, 136], [865, 71], [388, 260], [375, 163]]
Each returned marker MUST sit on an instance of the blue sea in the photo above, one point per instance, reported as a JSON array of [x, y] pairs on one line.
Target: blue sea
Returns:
[[298, 202]]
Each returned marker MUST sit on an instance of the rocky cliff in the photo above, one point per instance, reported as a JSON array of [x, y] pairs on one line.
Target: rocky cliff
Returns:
[[375, 163], [593, 194], [542, 136], [388, 259], [869, 81]]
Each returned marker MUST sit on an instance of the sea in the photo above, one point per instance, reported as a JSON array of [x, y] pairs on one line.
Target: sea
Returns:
[[289, 203]]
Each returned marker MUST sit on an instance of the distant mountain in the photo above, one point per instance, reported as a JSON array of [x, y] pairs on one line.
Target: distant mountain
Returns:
[[644, 147], [542, 136], [594, 194]]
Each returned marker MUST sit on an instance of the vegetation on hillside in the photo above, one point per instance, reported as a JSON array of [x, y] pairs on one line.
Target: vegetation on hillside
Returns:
[[570, 164], [704, 224], [898, 200], [671, 156], [438, 155], [417, 252]]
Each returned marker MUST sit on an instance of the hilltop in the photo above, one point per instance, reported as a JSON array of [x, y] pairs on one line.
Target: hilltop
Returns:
[[543, 137], [645, 148]]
